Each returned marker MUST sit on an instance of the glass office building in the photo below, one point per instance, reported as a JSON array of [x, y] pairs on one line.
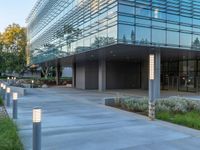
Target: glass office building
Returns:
[[62, 28]]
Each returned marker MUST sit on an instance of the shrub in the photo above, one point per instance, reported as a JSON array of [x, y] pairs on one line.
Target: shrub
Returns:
[[1, 101], [177, 105], [135, 104], [171, 104]]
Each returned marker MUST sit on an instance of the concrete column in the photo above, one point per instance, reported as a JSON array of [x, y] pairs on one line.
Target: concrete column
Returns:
[[102, 75], [57, 73], [74, 75]]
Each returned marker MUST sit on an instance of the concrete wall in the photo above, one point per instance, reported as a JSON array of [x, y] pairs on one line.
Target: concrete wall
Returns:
[[123, 75], [144, 75], [87, 75], [80, 75], [119, 75], [91, 75]]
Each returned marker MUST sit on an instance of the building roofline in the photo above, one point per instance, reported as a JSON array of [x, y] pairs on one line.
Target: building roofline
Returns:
[[35, 9]]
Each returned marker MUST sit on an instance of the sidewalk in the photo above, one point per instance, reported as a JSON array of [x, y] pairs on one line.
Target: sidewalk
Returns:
[[78, 120]]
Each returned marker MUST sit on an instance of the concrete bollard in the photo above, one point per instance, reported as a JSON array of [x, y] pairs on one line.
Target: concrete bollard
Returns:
[[14, 80], [32, 82], [4, 92], [8, 97], [1, 90], [37, 115], [15, 98], [8, 80]]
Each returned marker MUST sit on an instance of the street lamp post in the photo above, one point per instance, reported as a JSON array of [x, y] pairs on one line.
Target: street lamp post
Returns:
[[151, 86], [37, 116]]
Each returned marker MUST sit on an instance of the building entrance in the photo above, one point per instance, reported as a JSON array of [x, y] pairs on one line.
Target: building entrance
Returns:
[[182, 75]]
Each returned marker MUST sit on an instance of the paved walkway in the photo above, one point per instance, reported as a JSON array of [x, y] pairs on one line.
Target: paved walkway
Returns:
[[78, 120]]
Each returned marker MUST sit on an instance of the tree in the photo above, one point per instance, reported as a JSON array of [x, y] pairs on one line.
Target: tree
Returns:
[[13, 49], [196, 44]]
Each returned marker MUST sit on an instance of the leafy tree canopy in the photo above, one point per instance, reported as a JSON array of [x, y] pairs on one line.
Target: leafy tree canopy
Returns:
[[13, 49]]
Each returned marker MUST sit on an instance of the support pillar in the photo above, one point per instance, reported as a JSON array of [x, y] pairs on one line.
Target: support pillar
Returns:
[[102, 75], [157, 75], [58, 73], [74, 75]]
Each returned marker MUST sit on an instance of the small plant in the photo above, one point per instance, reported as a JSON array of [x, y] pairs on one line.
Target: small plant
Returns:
[[177, 105], [135, 104], [1, 101]]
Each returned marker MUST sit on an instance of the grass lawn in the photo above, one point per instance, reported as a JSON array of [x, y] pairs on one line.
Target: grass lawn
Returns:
[[176, 110], [1, 102], [189, 119], [9, 139]]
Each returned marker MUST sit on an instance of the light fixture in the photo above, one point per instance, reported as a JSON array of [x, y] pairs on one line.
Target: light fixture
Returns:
[[37, 115], [4, 86], [151, 67], [15, 96], [156, 11], [8, 90]]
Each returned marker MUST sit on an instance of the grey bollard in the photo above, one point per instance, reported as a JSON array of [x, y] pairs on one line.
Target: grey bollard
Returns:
[[8, 97], [15, 98], [37, 115], [4, 92], [1, 90], [32, 83], [8, 80]]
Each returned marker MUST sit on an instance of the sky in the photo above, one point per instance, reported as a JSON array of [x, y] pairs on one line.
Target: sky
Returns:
[[14, 11]]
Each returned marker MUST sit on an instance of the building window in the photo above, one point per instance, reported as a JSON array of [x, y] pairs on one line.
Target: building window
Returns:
[[126, 33], [143, 35], [185, 39], [172, 38], [126, 9], [158, 36]]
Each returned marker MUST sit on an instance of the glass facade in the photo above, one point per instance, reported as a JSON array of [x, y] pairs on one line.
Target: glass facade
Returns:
[[65, 27], [59, 28], [162, 23]]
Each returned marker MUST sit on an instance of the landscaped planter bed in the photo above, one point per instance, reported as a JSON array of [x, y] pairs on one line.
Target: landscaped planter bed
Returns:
[[9, 139], [174, 109]]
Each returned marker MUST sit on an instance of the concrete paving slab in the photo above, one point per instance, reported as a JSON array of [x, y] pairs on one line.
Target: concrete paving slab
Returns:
[[78, 120]]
